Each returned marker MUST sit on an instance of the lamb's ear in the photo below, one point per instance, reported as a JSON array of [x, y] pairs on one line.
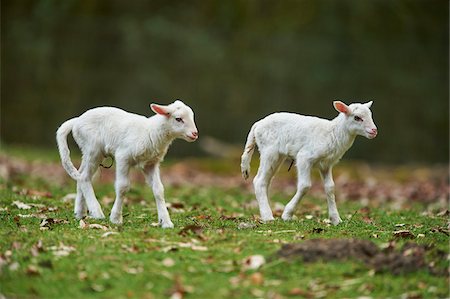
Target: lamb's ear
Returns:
[[368, 104], [159, 109], [341, 107]]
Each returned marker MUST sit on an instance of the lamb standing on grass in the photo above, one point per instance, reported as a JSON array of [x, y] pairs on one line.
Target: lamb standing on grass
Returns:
[[310, 141], [133, 140]]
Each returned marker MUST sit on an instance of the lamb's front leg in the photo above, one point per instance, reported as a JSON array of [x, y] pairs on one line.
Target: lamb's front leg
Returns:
[[122, 185], [154, 180], [328, 184]]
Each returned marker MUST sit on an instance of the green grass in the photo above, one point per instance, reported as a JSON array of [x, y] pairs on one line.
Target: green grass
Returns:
[[133, 262]]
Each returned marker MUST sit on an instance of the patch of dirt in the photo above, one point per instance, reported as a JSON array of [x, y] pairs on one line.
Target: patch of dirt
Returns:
[[411, 257]]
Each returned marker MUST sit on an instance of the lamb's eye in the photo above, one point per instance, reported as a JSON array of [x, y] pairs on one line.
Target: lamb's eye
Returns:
[[179, 119], [357, 118]]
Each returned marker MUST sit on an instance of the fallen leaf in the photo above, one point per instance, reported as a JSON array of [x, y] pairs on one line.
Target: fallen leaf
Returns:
[[17, 220], [176, 205], [192, 229], [253, 262], [133, 270], [131, 249], [300, 292], [107, 234], [178, 290], [97, 226], [82, 275], [49, 222], [168, 262], [199, 248], [21, 205], [443, 213], [32, 270], [37, 248], [97, 288], [61, 250], [257, 278], [83, 224], [440, 230], [404, 234], [38, 194], [246, 225]]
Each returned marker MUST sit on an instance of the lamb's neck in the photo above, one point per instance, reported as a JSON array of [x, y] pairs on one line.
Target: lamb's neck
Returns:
[[159, 133], [343, 139]]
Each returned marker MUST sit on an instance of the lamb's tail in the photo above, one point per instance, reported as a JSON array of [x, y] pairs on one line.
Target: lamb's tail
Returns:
[[64, 152], [246, 157]]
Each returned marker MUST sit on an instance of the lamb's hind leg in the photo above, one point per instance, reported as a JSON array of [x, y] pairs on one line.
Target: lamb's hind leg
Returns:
[[303, 185], [269, 164], [80, 208], [91, 163]]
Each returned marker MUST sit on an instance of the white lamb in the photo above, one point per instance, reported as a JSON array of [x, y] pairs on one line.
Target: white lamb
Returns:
[[310, 141], [133, 140]]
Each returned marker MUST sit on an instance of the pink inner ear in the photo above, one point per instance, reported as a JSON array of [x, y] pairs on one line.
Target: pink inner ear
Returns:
[[341, 107], [158, 109]]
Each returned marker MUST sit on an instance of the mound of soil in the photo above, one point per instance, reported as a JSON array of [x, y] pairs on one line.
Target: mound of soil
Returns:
[[411, 257]]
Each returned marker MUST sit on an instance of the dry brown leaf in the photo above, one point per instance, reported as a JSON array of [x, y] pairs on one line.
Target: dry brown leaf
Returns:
[[192, 229], [97, 226], [404, 234], [33, 270], [257, 278], [300, 292]]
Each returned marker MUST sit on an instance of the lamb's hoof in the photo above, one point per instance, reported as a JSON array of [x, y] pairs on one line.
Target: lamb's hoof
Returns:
[[80, 215], [166, 224], [116, 219], [245, 174], [286, 217], [335, 220], [97, 214], [267, 218]]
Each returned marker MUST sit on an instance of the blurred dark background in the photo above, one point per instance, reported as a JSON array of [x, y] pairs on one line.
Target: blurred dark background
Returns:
[[233, 62]]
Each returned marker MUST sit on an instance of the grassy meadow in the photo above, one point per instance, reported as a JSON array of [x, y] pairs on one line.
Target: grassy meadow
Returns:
[[218, 248]]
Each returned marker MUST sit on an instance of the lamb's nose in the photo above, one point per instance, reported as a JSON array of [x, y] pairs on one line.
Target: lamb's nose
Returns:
[[375, 131], [195, 134]]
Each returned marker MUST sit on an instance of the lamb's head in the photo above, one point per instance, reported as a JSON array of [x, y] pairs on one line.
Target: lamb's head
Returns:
[[358, 118], [180, 119]]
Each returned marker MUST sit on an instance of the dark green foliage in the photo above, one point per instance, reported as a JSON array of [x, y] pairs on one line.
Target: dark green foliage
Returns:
[[234, 62]]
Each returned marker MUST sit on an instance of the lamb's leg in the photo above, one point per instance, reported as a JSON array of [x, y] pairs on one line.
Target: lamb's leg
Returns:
[[328, 184], [154, 180], [122, 185], [91, 162], [80, 208], [269, 164], [303, 185]]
